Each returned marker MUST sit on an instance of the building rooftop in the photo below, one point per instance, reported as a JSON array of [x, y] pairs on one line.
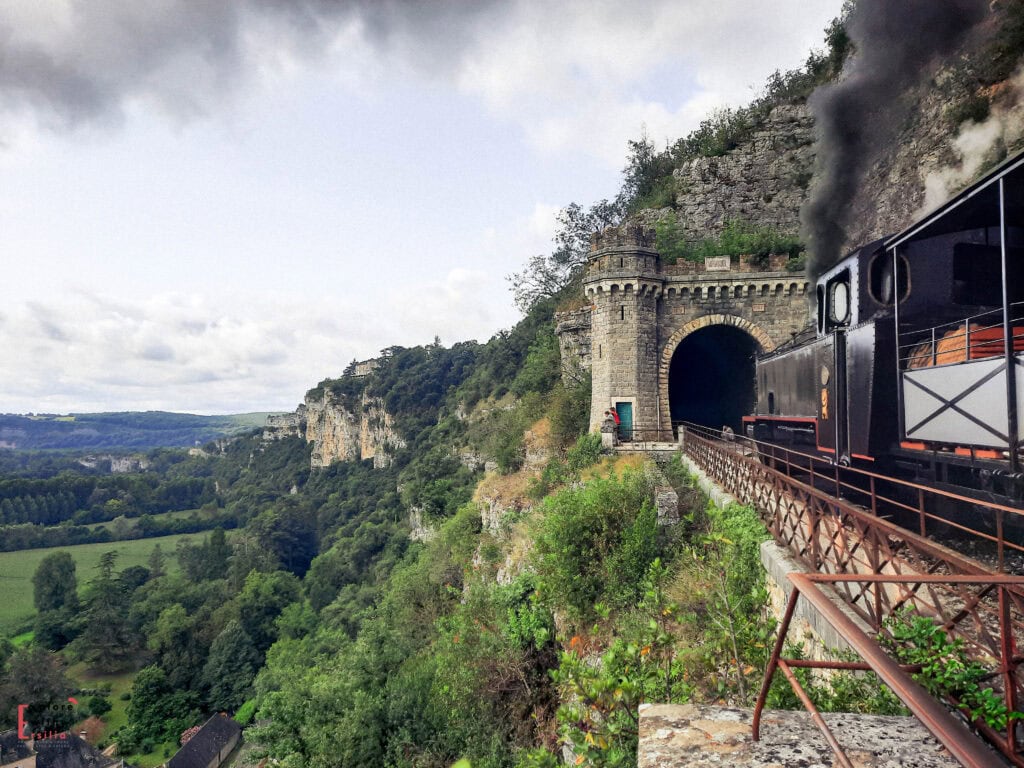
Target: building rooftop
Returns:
[[12, 748], [205, 745]]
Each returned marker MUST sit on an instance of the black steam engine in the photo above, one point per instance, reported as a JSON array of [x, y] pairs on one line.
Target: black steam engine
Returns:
[[916, 367]]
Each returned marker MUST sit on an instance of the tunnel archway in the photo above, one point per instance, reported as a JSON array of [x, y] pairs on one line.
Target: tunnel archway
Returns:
[[711, 377], [707, 370]]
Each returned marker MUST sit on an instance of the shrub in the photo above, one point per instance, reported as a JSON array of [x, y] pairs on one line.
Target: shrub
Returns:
[[738, 238], [974, 108], [98, 705], [946, 671], [596, 542], [585, 453], [246, 712], [569, 411]]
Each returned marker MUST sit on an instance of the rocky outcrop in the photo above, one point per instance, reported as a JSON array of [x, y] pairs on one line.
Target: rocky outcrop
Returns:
[[343, 428], [932, 154], [282, 425], [118, 464], [418, 530], [763, 181], [933, 157]]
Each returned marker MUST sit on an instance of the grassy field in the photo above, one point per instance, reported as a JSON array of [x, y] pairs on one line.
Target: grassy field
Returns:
[[17, 568]]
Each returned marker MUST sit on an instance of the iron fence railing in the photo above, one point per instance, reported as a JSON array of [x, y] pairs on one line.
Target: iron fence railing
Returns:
[[833, 519], [993, 530], [936, 717]]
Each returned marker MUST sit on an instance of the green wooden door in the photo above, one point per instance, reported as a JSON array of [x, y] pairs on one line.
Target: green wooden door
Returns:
[[625, 411]]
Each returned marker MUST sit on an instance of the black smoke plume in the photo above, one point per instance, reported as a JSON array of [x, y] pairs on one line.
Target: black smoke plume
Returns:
[[896, 41]]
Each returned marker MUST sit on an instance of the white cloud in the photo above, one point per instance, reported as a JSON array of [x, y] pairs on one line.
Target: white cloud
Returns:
[[567, 73], [570, 80], [543, 222], [456, 308], [570, 73], [219, 355], [173, 352]]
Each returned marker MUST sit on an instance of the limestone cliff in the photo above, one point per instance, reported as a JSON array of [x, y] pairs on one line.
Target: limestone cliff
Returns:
[[764, 180], [281, 425], [944, 129], [349, 428]]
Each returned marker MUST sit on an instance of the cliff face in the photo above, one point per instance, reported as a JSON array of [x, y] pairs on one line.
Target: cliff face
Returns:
[[764, 180], [934, 155], [281, 425], [947, 130], [345, 429]]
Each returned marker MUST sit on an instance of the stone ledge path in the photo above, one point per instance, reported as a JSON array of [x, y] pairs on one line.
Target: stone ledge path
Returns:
[[693, 736]]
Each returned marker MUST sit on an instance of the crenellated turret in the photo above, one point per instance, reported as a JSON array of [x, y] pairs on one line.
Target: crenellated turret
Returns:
[[623, 282]]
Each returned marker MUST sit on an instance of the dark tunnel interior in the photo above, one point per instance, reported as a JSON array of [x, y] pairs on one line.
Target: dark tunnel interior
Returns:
[[712, 379]]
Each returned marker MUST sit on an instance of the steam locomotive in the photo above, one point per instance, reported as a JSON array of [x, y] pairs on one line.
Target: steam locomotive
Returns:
[[916, 364]]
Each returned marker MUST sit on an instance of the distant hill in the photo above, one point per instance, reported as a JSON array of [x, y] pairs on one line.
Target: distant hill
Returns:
[[128, 429]]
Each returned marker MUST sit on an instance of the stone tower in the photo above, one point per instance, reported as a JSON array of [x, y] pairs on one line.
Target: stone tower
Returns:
[[623, 283]]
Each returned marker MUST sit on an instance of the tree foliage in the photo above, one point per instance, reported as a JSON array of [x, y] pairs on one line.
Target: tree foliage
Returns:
[[547, 276], [107, 642], [231, 668]]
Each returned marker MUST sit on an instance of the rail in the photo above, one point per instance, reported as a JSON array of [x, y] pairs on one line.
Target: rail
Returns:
[[833, 519], [938, 719], [994, 529], [977, 337]]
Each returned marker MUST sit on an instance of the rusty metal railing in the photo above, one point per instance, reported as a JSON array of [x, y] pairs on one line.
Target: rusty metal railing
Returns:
[[937, 718], [878, 495], [876, 566]]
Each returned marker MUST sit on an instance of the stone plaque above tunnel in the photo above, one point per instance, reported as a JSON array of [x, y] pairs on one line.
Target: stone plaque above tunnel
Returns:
[[639, 311]]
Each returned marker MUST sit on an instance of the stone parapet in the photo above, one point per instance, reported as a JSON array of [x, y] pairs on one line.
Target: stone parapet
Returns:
[[630, 236], [695, 736], [820, 639], [776, 262]]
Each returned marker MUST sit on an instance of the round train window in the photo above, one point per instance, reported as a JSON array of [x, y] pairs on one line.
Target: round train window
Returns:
[[839, 302], [881, 282]]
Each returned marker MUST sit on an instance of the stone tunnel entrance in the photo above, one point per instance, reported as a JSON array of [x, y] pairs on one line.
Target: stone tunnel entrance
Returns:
[[711, 378]]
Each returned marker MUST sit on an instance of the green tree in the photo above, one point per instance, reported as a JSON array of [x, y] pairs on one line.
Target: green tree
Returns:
[[36, 677], [231, 668], [156, 564], [209, 560], [287, 533], [56, 599], [156, 711], [263, 598], [55, 584], [107, 642], [546, 276], [133, 577], [647, 180], [217, 553], [176, 640]]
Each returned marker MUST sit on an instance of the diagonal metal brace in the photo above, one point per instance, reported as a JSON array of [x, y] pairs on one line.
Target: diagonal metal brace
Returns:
[[950, 731]]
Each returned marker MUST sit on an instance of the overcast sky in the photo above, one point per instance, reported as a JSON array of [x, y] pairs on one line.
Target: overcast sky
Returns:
[[211, 206]]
